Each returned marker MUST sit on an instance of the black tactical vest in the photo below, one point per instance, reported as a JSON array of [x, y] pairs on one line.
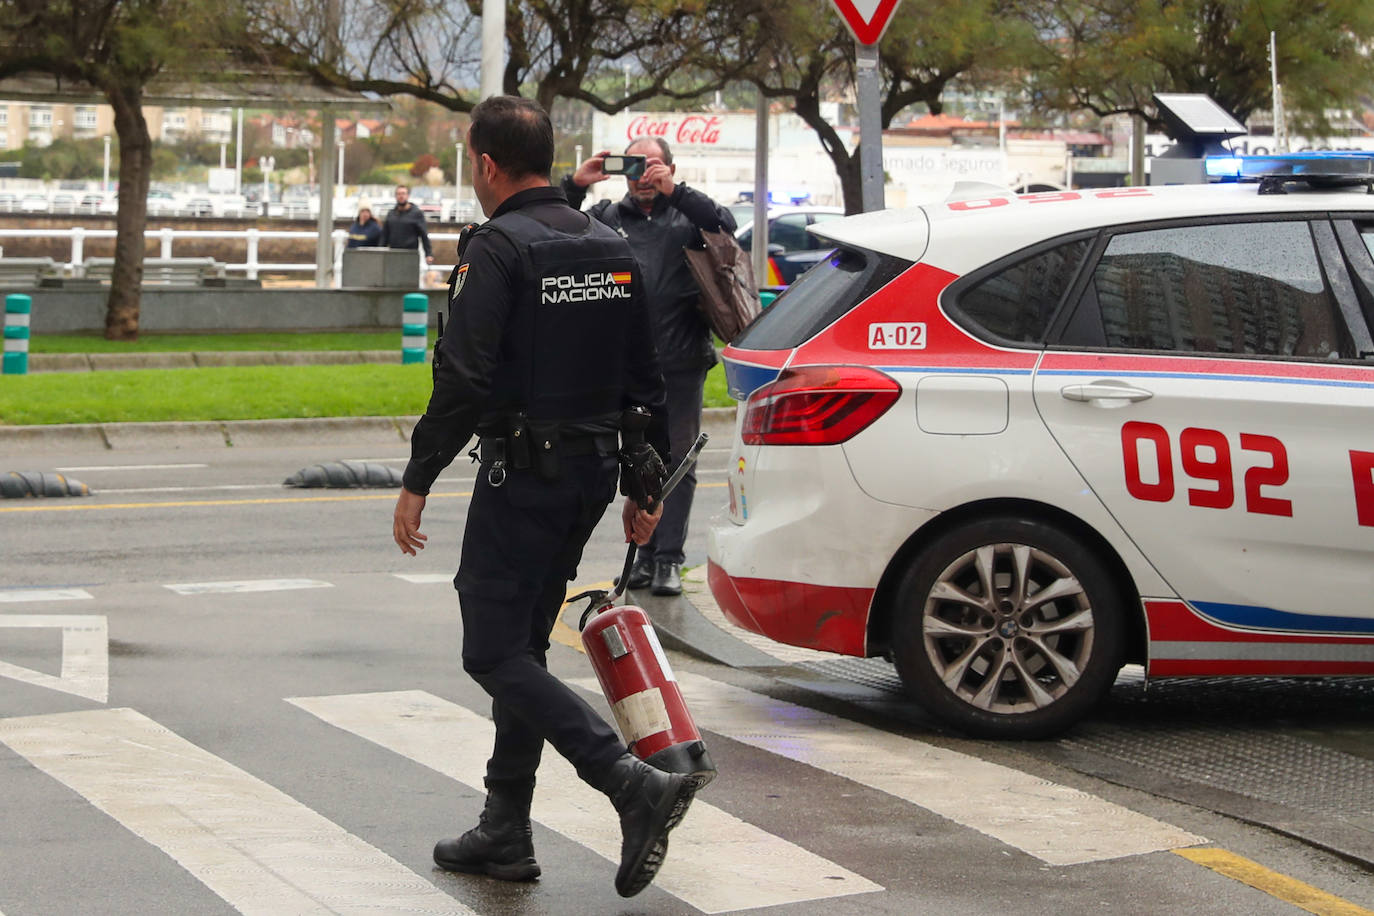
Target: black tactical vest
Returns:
[[565, 344]]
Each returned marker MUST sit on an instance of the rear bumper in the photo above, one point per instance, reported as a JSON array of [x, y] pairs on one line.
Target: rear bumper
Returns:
[[825, 617]]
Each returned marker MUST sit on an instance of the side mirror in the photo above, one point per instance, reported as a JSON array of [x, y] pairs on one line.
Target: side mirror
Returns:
[[775, 248]]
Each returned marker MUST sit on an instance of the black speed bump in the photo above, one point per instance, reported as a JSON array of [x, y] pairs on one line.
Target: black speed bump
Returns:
[[30, 484], [345, 474]]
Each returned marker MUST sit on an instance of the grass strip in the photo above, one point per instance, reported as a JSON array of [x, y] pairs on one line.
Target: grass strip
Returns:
[[232, 393]]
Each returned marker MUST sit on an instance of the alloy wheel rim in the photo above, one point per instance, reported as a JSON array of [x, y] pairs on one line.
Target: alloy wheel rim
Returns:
[[1008, 628]]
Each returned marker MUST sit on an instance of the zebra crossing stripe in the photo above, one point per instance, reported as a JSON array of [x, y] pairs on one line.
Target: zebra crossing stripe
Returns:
[[717, 862], [85, 668], [260, 850], [425, 578], [17, 595], [250, 585], [1054, 823]]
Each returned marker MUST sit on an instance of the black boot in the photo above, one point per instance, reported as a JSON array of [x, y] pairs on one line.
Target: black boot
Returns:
[[501, 844], [667, 578], [642, 572], [650, 803]]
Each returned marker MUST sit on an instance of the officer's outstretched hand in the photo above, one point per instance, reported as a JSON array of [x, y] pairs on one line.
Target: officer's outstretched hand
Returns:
[[639, 525], [405, 523], [590, 172]]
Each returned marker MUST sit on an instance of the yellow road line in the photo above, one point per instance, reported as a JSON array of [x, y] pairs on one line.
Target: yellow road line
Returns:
[[182, 504], [566, 635], [1289, 890]]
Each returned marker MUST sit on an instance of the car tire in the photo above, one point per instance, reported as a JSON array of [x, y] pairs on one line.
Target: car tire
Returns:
[[1023, 664]]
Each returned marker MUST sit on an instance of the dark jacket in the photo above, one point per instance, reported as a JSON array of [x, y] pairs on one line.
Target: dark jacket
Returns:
[[406, 229], [657, 239], [365, 235], [506, 348]]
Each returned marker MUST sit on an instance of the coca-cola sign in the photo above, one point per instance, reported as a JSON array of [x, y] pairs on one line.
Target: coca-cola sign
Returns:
[[690, 129]]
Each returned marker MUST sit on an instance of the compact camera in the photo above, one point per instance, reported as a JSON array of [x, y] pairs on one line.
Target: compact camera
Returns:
[[632, 167]]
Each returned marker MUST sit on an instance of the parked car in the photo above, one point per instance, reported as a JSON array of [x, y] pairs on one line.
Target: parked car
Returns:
[[63, 203], [8, 202], [791, 249], [1013, 442], [34, 203]]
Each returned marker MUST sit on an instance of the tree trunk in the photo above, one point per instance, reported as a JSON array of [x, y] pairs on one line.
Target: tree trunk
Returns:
[[131, 220], [847, 165]]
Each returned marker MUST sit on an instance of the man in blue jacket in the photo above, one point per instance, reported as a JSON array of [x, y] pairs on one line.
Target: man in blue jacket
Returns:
[[660, 218]]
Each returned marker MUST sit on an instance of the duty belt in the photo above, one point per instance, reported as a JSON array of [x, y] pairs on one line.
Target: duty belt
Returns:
[[543, 452]]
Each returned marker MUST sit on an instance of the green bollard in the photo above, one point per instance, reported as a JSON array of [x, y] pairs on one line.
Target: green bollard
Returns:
[[766, 297], [414, 327], [18, 308]]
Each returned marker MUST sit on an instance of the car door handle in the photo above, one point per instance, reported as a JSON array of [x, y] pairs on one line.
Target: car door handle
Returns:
[[1105, 390]]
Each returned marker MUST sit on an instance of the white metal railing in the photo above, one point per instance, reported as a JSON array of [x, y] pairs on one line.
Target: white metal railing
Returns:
[[250, 267]]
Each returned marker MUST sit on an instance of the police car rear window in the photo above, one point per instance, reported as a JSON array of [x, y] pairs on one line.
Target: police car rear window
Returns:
[[819, 297], [1017, 302]]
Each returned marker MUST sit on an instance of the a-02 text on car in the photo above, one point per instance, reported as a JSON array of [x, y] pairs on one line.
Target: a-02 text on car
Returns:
[[1015, 442]]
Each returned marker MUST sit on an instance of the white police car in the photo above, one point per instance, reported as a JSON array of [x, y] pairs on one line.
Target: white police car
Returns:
[[1014, 442]]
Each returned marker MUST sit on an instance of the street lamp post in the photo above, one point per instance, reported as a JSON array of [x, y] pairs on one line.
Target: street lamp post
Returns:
[[267, 162], [457, 180], [107, 163], [341, 165]]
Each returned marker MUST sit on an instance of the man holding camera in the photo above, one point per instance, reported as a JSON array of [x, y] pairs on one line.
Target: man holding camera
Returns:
[[660, 218]]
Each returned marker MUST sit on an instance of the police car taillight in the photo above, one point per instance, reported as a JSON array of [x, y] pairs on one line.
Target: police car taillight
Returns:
[[817, 405], [1329, 168]]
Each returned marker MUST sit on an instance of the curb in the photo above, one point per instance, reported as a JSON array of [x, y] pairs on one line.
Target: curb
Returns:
[[717, 422]]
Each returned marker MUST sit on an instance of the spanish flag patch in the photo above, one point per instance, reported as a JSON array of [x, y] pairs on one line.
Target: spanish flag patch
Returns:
[[621, 277]]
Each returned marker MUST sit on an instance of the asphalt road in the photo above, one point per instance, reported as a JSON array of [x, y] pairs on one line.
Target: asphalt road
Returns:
[[218, 694]]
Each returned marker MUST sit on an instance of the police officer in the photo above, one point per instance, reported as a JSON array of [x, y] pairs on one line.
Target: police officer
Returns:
[[547, 344]]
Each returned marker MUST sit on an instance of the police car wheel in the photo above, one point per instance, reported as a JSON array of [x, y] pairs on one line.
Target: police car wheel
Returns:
[[1008, 628]]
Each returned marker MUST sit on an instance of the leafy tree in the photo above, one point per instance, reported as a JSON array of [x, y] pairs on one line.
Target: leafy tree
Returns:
[[117, 47], [423, 164], [811, 57], [1110, 56]]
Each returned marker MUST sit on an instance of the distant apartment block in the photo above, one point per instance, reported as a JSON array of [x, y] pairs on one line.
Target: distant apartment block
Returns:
[[40, 124]]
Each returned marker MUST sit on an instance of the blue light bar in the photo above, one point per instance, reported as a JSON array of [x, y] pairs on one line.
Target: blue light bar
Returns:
[[1327, 167]]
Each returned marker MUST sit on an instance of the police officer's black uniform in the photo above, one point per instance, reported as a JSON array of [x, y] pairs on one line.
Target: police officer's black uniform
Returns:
[[546, 344]]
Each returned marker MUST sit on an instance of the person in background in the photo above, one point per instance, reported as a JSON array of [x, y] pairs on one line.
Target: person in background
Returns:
[[405, 226], [659, 218], [365, 232]]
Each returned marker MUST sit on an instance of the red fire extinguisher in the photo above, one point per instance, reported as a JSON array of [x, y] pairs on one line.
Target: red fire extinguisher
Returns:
[[636, 678]]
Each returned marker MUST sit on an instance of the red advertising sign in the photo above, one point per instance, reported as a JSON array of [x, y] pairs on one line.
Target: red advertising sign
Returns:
[[678, 130], [867, 19]]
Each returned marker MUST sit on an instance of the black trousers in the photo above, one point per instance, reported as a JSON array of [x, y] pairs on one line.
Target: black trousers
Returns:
[[521, 547], [685, 388]]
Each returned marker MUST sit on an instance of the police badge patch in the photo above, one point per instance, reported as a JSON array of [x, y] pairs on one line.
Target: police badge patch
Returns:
[[460, 277]]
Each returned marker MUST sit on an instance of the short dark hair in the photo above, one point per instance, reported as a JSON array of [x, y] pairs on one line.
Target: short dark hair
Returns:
[[664, 152], [516, 133]]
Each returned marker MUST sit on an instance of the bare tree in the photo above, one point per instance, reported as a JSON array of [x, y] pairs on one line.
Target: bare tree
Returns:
[[610, 54]]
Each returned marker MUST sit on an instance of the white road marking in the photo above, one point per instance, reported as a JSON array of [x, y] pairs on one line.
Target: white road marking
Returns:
[[260, 850], [131, 467], [250, 585], [43, 594], [716, 861], [85, 654], [1054, 823], [425, 578]]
